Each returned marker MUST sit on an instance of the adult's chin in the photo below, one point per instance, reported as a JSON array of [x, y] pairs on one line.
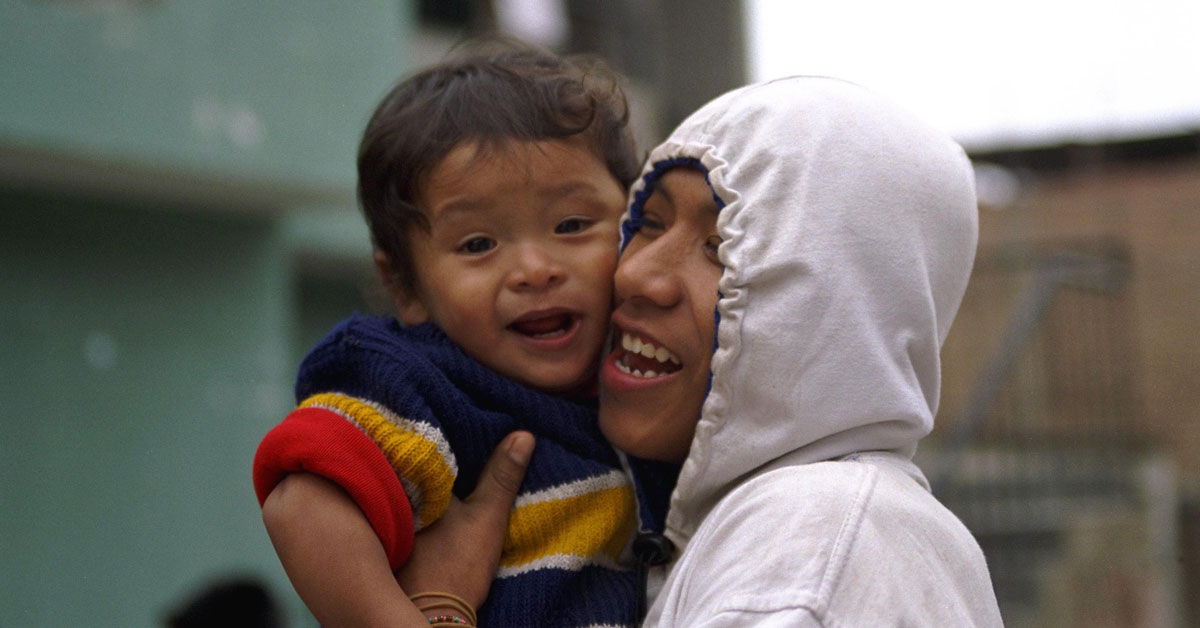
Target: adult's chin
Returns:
[[639, 433]]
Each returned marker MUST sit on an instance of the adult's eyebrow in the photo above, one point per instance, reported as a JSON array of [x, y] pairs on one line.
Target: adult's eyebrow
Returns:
[[659, 188]]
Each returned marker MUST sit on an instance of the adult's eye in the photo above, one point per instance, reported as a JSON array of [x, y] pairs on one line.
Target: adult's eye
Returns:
[[571, 225], [650, 226], [478, 245], [710, 247]]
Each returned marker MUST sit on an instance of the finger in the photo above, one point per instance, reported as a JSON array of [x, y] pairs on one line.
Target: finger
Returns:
[[501, 478]]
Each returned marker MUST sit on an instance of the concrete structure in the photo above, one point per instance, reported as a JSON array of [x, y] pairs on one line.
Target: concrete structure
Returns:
[[168, 173]]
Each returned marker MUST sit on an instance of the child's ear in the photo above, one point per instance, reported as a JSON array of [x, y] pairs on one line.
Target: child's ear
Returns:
[[408, 306]]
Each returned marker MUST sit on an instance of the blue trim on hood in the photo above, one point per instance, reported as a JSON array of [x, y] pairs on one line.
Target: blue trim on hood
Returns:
[[634, 222], [630, 226]]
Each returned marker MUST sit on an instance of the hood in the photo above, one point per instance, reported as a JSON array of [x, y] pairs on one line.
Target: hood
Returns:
[[849, 230]]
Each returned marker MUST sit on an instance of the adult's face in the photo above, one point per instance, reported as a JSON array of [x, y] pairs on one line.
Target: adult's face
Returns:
[[654, 382]]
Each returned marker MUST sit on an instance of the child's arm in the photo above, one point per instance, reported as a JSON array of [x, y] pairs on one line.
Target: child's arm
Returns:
[[337, 565], [333, 557]]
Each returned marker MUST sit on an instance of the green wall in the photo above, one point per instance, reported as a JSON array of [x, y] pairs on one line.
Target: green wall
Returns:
[[148, 341], [275, 88], [144, 354]]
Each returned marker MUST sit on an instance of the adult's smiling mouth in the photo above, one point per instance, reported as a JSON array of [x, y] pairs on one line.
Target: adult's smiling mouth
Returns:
[[640, 357]]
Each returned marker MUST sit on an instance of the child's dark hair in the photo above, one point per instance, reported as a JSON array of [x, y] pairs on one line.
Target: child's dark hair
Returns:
[[491, 93]]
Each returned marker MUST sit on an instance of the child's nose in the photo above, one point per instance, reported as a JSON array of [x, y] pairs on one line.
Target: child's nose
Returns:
[[535, 269]]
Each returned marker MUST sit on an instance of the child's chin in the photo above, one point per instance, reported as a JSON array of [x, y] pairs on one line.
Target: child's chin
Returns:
[[584, 384]]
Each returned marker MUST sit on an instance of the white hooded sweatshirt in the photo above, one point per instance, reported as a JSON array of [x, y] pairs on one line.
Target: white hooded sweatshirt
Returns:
[[849, 231]]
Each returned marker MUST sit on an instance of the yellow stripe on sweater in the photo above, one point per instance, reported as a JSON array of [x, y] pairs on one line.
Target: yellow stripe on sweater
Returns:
[[415, 450], [593, 524]]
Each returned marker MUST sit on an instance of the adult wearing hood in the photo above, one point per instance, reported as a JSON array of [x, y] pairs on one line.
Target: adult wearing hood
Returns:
[[794, 256]]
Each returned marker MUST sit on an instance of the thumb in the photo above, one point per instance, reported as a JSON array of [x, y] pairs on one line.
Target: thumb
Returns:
[[501, 478]]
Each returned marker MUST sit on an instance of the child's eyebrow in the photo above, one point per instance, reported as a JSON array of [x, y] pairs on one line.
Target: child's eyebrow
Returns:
[[569, 188], [457, 207], [461, 206]]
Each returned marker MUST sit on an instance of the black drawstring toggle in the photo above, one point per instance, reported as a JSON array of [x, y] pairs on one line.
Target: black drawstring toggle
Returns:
[[653, 550], [650, 550]]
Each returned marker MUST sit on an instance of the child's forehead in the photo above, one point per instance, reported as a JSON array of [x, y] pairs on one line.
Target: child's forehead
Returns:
[[514, 154], [473, 173]]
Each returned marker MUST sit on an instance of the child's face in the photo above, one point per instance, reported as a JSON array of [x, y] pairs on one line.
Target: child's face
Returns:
[[518, 263]]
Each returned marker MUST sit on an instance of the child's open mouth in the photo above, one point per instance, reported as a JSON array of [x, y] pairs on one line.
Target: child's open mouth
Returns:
[[642, 358], [544, 327]]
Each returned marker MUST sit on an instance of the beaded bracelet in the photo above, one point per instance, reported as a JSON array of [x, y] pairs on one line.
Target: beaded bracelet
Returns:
[[447, 620], [446, 601]]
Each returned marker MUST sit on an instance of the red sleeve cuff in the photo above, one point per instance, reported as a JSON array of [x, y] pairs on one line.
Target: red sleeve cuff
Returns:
[[316, 440]]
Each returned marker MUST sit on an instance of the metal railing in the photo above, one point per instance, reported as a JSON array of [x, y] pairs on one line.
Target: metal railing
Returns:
[[1055, 278], [1041, 423]]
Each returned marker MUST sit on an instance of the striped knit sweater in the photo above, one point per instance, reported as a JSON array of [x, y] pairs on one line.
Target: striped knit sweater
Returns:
[[401, 418]]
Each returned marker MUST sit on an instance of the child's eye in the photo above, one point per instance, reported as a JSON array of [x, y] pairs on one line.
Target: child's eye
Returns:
[[478, 245], [571, 225]]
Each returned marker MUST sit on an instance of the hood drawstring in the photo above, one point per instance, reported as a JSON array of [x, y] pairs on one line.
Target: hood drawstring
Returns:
[[650, 550]]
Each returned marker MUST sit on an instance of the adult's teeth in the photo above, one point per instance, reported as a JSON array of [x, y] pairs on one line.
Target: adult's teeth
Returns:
[[633, 344], [635, 372]]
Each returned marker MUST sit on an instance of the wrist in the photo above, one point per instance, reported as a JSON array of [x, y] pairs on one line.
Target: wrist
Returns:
[[445, 609]]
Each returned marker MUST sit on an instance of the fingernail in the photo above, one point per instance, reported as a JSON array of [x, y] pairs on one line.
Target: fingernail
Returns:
[[520, 448]]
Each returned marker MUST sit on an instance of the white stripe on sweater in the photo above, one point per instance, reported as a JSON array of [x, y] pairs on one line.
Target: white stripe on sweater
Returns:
[[594, 484], [566, 562]]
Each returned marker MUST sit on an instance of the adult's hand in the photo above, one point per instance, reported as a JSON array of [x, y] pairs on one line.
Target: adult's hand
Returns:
[[460, 552]]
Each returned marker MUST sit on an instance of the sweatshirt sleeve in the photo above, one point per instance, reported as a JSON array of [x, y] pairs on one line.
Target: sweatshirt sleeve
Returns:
[[320, 441]]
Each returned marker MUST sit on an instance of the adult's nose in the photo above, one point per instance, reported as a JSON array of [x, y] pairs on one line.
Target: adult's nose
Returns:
[[649, 273]]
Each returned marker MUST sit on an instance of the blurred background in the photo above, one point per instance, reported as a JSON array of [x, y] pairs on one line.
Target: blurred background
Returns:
[[178, 224]]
